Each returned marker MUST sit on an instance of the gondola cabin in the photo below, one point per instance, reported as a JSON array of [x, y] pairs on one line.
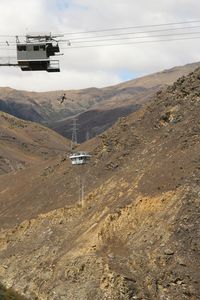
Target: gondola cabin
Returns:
[[35, 53], [80, 158]]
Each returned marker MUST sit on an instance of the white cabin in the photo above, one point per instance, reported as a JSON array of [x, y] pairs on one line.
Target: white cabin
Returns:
[[80, 158], [35, 53]]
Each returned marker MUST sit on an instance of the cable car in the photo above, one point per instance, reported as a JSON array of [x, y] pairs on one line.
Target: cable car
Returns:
[[34, 54], [80, 158]]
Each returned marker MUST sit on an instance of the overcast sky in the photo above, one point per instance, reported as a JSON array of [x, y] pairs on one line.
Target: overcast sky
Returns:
[[96, 66]]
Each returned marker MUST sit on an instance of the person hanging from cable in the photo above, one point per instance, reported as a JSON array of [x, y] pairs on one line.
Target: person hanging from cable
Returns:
[[62, 98]]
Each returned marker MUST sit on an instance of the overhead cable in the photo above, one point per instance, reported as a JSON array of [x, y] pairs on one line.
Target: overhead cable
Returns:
[[127, 43], [132, 27], [116, 29], [132, 43], [134, 33], [139, 37], [122, 36]]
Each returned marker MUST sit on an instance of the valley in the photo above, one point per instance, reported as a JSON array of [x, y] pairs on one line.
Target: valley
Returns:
[[95, 109]]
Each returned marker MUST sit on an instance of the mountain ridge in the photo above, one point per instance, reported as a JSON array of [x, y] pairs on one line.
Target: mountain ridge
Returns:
[[45, 108]]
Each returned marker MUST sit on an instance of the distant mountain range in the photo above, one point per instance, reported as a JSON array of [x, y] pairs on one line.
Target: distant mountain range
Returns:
[[95, 109]]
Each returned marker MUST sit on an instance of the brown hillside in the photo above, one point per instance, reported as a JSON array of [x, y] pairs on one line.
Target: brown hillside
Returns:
[[23, 143], [137, 235], [93, 122]]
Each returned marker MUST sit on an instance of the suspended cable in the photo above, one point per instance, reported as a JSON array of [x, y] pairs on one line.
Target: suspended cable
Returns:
[[132, 43], [115, 29], [7, 43], [139, 37], [95, 38], [11, 43], [133, 27], [133, 33]]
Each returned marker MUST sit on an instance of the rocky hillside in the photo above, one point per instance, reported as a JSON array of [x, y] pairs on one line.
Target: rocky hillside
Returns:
[[9, 294], [25, 143], [112, 102], [136, 236]]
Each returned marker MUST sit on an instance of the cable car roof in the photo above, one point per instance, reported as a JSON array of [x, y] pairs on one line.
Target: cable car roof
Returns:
[[79, 154]]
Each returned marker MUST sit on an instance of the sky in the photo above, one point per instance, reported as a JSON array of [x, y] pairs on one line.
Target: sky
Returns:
[[99, 66]]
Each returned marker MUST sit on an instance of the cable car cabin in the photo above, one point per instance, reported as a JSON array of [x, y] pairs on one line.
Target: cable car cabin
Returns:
[[79, 158], [35, 56]]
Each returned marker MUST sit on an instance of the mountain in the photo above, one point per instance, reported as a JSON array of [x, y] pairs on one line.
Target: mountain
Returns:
[[92, 122], [26, 143], [136, 233], [110, 102]]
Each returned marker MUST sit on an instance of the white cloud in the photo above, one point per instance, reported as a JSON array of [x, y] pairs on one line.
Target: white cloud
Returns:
[[99, 66]]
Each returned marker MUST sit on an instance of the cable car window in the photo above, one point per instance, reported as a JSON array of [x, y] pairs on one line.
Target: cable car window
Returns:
[[36, 48], [21, 48], [42, 47]]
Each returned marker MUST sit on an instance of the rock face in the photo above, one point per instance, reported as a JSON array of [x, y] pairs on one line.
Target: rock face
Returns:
[[137, 234]]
